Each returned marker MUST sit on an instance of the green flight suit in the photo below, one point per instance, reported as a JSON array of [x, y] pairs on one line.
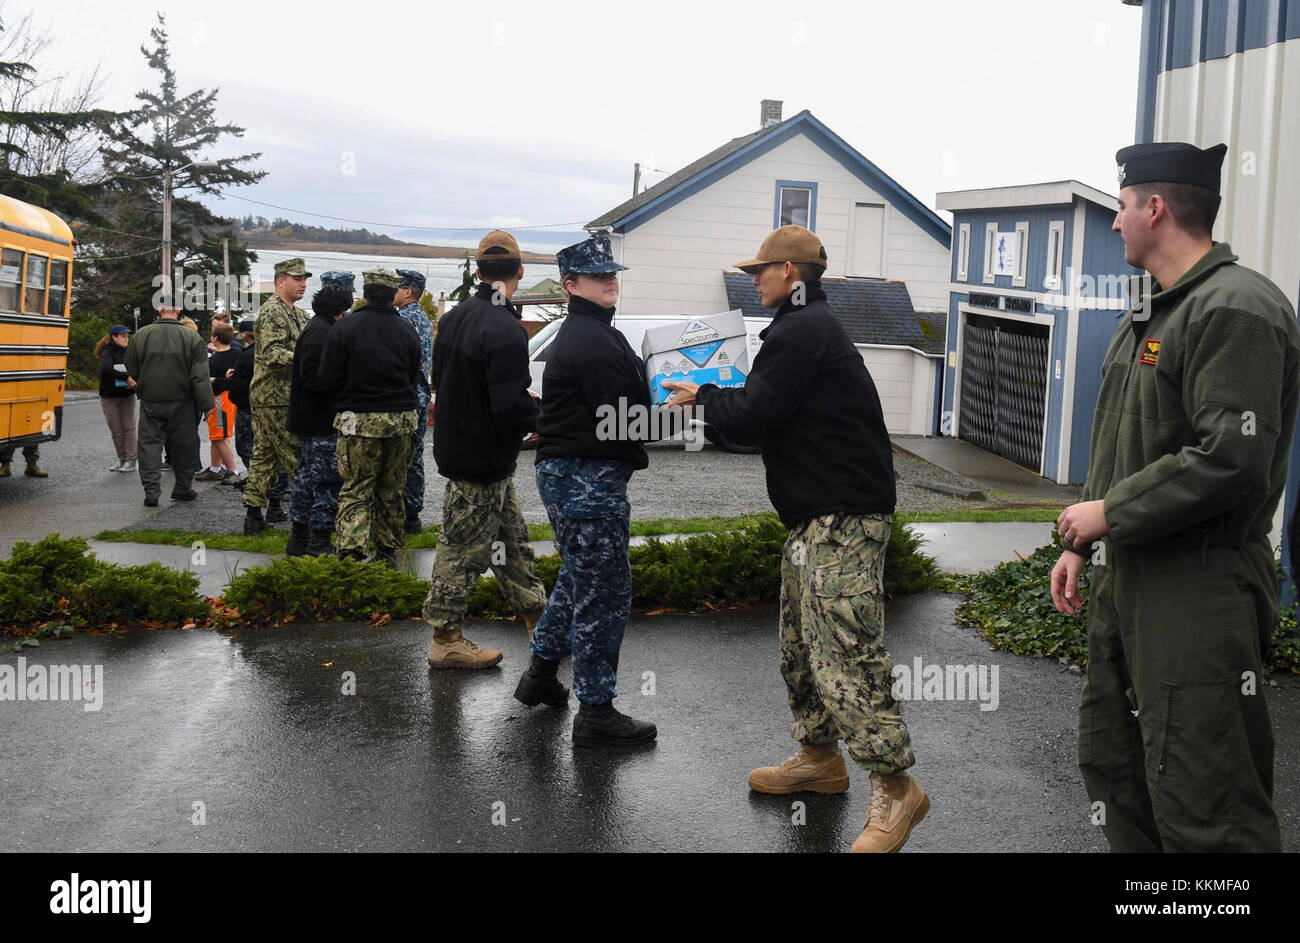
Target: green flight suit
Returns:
[[1190, 444]]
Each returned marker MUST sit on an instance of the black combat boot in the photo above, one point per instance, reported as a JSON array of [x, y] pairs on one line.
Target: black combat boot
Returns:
[[413, 525], [385, 555], [319, 543], [352, 554], [275, 513], [296, 546], [253, 523], [599, 725], [538, 685]]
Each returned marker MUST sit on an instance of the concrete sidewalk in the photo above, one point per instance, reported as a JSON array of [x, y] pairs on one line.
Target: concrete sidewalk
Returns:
[[956, 547], [993, 473]]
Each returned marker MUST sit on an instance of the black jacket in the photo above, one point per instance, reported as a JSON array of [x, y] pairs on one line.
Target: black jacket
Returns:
[[218, 364], [372, 361], [480, 373], [590, 364], [110, 373], [311, 412], [811, 403], [243, 378]]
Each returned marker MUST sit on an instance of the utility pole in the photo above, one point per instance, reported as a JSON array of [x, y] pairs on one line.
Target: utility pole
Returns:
[[225, 268], [167, 238], [636, 179]]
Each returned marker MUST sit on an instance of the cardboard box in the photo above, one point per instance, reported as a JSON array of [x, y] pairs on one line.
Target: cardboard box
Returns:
[[710, 349]]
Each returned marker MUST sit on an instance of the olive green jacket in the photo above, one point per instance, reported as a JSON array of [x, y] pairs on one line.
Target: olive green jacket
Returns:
[[169, 362], [1197, 408], [275, 333]]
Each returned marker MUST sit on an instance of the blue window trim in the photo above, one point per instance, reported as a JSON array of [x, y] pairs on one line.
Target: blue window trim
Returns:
[[812, 201], [805, 124]]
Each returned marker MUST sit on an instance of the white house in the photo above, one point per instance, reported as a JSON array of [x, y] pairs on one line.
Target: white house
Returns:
[[679, 236]]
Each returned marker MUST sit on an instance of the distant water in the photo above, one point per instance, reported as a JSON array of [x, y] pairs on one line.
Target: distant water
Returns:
[[441, 275]]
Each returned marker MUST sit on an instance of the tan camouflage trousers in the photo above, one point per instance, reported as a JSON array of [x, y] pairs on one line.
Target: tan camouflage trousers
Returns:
[[482, 527], [837, 672], [373, 470], [274, 450]]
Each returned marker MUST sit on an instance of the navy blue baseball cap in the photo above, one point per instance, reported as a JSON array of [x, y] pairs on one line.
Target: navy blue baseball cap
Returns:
[[119, 329], [337, 281], [593, 256], [1171, 162]]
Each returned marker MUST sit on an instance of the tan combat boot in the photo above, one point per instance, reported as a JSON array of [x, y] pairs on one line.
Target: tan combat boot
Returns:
[[813, 769], [4, 470], [897, 805], [450, 649], [531, 619], [35, 471]]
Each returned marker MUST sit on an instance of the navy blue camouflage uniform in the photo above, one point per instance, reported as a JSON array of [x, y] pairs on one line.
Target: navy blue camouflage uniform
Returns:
[[582, 480], [317, 482], [413, 492]]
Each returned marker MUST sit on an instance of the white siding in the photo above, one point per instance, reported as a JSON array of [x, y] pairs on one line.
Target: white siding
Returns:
[[676, 259], [1248, 101], [904, 380]]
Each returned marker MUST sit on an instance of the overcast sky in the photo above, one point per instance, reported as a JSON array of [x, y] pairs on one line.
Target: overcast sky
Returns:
[[462, 115]]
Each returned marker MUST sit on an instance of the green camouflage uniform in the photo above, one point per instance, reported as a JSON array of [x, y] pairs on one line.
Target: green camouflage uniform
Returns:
[[374, 452], [1190, 445], [275, 333], [482, 526], [837, 672]]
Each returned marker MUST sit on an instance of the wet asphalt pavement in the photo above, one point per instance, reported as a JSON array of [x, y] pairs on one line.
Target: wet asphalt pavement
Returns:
[[256, 727]]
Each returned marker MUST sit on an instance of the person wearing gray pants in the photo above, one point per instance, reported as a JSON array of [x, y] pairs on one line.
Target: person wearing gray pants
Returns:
[[170, 366]]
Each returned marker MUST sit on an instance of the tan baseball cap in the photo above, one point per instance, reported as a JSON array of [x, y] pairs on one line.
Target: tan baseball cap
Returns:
[[787, 244], [497, 245]]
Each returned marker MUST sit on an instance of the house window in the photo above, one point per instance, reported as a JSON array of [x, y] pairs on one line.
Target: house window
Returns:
[[990, 238], [11, 276], [1055, 253], [796, 204], [963, 251], [1022, 252], [867, 251]]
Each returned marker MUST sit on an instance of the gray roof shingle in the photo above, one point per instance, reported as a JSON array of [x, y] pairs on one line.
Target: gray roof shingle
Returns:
[[872, 312]]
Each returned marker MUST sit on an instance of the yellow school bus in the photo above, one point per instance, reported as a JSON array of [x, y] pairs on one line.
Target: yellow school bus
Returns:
[[35, 276]]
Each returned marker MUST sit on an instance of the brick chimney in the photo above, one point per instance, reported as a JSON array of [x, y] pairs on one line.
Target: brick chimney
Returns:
[[769, 112]]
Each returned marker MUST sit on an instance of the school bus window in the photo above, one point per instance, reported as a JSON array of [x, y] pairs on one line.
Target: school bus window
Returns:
[[11, 270], [37, 271], [58, 287]]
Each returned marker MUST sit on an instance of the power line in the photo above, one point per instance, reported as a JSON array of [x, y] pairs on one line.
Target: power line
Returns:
[[364, 222]]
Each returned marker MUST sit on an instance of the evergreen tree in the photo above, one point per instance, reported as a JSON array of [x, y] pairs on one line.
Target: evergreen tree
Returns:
[[168, 132], [37, 162]]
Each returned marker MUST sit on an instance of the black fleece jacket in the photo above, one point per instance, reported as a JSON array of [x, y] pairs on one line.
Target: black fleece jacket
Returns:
[[372, 360], [811, 403], [311, 411], [590, 364], [480, 374]]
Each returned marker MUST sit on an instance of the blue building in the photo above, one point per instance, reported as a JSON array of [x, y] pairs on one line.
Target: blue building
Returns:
[[1038, 281], [1216, 71]]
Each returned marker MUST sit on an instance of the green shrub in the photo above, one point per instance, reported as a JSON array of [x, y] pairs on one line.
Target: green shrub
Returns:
[[83, 335], [76, 380], [147, 593], [59, 582], [322, 589], [1012, 607], [739, 566]]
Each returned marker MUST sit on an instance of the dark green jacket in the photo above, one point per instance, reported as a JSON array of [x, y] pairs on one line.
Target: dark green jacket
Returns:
[[170, 364], [1197, 407]]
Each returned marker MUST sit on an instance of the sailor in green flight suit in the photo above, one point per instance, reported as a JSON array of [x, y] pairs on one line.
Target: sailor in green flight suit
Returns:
[[1189, 456]]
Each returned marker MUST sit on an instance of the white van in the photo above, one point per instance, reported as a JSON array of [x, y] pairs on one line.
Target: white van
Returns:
[[634, 327]]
